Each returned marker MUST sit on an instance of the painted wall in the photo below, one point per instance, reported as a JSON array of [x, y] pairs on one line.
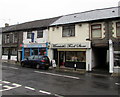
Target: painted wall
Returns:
[[81, 34], [37, 40]]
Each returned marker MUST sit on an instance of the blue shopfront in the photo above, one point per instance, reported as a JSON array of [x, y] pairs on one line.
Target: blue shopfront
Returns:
[[34, 49]]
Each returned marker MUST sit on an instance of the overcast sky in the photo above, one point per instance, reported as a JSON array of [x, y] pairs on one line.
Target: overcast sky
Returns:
[[19, 11]]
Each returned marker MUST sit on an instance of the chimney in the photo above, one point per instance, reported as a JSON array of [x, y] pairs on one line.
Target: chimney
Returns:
[[6, 24]]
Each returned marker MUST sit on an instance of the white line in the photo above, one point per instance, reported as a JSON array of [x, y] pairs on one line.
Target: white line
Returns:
[[17, 85], [56, 95], [117, 83], [29, 88], [0, 84], [6, 82], [13, 67], [58, 75], [45, 92]]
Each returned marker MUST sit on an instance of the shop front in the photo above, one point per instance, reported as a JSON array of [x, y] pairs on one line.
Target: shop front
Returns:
[[71, 55], [34, 49]]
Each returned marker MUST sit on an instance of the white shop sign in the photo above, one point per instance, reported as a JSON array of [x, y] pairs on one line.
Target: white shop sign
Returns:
[[72, 45]]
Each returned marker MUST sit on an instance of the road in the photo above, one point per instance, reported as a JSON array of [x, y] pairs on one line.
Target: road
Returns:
[[17, 80]]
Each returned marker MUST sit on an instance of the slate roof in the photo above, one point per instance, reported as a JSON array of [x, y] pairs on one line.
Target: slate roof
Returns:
[[31, 25], [88, 16]]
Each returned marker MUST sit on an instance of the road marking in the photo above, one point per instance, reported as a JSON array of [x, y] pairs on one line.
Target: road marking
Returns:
[[29, 88], [41, 91], [13, 67], [17, 85], [117, 83], [6, 82], [56, 95], [10, 67], [57, 75]]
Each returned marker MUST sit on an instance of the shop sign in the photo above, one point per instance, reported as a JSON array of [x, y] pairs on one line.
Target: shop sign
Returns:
[[80, 45], [34, 45]]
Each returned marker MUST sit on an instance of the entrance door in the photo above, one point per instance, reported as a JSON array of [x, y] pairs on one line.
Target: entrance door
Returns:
[[61, 58], [9, 54], [100, 59]]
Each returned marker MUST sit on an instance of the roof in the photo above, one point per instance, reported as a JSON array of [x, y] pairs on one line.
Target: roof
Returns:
[[31, 25], [88, 16]]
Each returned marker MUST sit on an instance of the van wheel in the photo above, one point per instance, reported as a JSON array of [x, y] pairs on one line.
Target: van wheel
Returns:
[[37, 66], [22, 64]]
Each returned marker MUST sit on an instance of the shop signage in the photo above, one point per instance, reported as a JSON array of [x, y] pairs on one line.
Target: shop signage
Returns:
[[34, 45], [71, 45]]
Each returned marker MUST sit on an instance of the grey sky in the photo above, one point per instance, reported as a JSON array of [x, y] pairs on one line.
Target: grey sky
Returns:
[[19, 11]]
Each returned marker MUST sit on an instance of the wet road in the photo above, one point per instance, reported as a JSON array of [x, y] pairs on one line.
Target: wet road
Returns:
[[17, 80]]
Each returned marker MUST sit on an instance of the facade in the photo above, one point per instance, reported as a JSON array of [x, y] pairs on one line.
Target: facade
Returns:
[[69, 45], [22, 40], [87, 40], [100, 31], [35, 41], [11, 39]]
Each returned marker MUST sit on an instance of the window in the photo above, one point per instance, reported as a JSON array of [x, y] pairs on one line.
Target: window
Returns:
[[75, 56], [14, 51], [40, 34], [7, 38], [118, 29], [29, 35], [96, 31], [5, 51], [68, 31], [15, 38]]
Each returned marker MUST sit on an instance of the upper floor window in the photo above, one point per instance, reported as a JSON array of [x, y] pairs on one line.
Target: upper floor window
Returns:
[[40, 34], [15, 38], [118, 29], [29, 35], [7, 38], [68, 31], [96, 31]]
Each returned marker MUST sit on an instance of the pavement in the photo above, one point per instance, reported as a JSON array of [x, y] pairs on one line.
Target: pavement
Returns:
[[72, 70]]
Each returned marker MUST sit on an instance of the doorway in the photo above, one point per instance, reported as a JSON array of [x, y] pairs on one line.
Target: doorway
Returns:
[[100, 59]]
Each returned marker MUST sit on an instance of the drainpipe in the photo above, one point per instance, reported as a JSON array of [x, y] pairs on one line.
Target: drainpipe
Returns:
[[111, 61]]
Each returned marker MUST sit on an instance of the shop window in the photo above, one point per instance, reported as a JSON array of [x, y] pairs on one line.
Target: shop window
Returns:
[[96, 31], [42, 52], [118, 29], [116, 58], [29, 35], [68, 31], [40, 34], [7, 38], [14, 51], [27, 52], [75, 56], [34, 51], [5, 51]]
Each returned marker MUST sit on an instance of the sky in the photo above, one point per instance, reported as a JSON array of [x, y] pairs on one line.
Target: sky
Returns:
[[19, 11]]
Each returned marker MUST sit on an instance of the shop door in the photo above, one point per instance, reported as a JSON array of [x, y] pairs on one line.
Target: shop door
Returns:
[[61, 58], [9, 54]]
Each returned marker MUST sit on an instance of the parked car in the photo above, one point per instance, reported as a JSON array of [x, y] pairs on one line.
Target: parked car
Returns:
[[36, 61]]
